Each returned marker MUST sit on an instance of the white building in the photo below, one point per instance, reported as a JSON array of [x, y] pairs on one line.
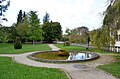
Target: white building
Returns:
[[117, 43]]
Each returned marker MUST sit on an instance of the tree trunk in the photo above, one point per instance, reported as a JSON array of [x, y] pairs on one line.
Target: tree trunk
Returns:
[[33, 42]]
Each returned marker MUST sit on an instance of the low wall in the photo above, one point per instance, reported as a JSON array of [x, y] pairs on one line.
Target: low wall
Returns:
[[31, 56]]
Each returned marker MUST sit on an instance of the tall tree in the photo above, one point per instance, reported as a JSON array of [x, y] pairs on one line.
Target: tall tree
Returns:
[[46, 18], [22, 26], [57, 30], [107, 34], [20, 17], [22, 29], [101, 37], [35, 30], [52, 31], [3, 8]]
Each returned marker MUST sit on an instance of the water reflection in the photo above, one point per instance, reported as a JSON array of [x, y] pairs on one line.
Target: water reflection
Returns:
[[79, 56]]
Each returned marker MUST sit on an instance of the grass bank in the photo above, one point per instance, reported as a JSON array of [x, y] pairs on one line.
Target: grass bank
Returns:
[[9, 48], [80, 48], [12, 70], [112, 68]]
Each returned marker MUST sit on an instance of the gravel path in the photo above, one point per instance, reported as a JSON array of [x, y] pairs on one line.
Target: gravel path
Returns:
[[75, 70]]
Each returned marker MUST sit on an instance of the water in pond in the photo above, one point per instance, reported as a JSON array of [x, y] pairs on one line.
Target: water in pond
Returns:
[[79, 56], [72, 56]]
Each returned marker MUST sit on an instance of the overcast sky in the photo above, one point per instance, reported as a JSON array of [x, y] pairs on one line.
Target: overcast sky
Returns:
[[70, 13]]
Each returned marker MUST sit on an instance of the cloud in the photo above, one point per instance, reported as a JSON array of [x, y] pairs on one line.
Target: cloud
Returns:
[[70, 13]]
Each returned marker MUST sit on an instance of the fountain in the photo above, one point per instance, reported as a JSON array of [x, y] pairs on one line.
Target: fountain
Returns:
[[52, 57]]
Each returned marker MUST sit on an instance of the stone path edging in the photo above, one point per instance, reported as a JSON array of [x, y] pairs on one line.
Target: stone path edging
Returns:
[[75, 70]]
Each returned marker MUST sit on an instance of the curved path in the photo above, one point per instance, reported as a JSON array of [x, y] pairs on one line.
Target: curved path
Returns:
[[75, 70]]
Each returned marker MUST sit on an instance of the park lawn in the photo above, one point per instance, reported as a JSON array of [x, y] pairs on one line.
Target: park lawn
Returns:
[[112, 68], [9, 48], [80, 48], [12, 70]]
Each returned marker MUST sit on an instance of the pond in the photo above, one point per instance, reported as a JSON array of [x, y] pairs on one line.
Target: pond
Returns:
[[52, 56]]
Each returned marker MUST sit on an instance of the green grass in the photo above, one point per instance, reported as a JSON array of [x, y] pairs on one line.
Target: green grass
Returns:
[[83, 49], [117, 57], [12, 70], [9, 48], [112, 68]]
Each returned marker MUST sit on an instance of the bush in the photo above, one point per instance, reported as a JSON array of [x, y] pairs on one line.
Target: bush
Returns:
[[63, 53], [67, 43], [18, 44]]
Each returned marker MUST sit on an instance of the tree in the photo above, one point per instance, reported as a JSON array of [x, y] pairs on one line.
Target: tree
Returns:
[[78, 35], [22, 29], [57, 30], [83, 30], [18, 44], [101, 38], [95, 36], [35, 30], [20, 17], [84, 34], [13, 33], [4, 34], [107, 34], [3, 8], [52, 31], [47, 32], [67, 31], [46, 18]]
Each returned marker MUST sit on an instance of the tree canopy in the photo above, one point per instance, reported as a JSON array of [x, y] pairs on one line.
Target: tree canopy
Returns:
[[21, 16], [46, 18], [79, 34], [107, 34], [52, 31], [35, 30], [3, 8]]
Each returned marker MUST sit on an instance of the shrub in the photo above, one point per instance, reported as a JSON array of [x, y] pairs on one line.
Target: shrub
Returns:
[[67, 43], [63, 52], [18, 44]]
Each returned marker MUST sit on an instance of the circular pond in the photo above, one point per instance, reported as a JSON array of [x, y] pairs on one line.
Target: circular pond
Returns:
[[52, 56]]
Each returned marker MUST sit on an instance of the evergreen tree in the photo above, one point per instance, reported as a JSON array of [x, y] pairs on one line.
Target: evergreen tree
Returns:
[[46, 18], [22, 26], [20, 17], [22, 29], [24, 15], [35, 30]]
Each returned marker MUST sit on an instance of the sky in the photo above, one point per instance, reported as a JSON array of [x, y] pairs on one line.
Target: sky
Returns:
[[70, 13]]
